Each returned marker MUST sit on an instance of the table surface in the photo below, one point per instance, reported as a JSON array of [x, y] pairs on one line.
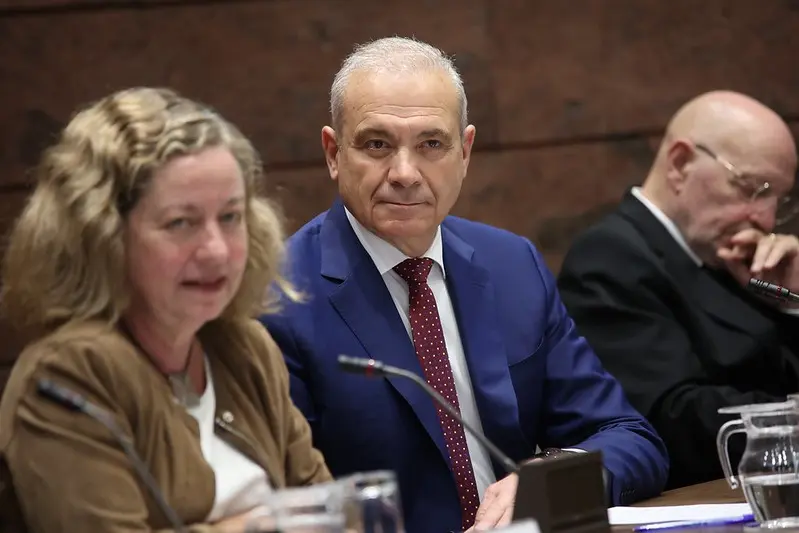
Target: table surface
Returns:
[[711, 492]]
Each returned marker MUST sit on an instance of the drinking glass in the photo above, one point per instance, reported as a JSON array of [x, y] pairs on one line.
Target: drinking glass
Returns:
[[372, 503], [313, 509]]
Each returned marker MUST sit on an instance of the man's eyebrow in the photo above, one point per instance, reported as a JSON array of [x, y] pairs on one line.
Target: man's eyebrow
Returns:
[[366, 133], [435, 132]]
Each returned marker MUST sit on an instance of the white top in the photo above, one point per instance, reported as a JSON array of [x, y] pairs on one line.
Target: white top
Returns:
[[670, 226], [241, 485], [386, 257]]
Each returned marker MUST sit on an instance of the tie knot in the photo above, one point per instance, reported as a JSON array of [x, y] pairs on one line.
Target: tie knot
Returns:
[[415, 270]]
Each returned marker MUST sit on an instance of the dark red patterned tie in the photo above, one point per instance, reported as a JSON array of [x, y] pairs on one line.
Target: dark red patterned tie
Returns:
[[428, 339]]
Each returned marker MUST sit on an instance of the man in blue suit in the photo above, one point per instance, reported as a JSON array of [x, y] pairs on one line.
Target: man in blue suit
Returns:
[[388, 274]]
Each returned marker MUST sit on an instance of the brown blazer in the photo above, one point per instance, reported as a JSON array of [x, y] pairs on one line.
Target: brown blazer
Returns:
[[63, 471]]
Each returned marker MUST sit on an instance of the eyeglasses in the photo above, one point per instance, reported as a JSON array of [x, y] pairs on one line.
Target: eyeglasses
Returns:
[[787, 207]]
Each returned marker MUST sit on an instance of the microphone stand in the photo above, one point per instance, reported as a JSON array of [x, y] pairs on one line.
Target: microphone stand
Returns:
[[75, 402], [370, 367]]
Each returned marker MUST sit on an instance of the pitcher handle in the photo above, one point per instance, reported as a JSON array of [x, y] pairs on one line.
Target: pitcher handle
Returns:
[[727, 430]]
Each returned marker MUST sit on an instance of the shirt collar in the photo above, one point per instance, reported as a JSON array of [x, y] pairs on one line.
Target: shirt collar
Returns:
[[384, 255], [670, 226]]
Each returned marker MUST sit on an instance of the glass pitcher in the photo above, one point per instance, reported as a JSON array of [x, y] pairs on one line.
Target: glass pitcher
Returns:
[[769, 468]]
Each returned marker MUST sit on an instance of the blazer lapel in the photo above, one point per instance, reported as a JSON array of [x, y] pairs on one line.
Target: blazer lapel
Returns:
[[359, 294], [716, 293], [472, 295]]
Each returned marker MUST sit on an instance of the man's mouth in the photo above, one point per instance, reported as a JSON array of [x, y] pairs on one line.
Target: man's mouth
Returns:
[[403, 204]]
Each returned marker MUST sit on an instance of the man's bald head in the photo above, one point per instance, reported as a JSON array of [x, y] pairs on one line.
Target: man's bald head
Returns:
[[734, 124], [726, 163]]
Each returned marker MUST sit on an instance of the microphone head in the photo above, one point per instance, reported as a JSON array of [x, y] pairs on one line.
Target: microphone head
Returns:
[[360, 365], [772, 290]]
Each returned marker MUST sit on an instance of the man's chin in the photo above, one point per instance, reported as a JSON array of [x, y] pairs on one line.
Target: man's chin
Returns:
[[403, 229], [391, 211]]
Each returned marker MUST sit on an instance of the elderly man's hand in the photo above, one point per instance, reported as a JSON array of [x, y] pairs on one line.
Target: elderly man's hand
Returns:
[[774, 258], [496, 509]]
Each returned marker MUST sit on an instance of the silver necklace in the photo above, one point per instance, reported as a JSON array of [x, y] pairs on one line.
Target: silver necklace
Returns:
[[183, 389], [180, 382]]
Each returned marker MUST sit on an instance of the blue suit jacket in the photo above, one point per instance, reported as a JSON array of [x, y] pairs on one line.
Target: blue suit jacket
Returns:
[[536, 382]]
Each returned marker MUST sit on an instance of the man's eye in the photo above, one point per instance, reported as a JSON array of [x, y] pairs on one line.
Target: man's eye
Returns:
[[750, 188], [376, 144], [432, 143]]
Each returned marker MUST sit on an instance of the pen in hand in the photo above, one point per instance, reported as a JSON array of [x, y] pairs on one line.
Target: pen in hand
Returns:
[[686, 524]]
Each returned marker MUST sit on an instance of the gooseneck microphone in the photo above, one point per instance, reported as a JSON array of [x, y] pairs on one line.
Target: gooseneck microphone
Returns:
[[75, 402], [372, 368], [774, 291]]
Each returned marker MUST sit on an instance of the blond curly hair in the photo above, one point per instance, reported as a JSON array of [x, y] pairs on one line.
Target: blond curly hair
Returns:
[[65, 259]]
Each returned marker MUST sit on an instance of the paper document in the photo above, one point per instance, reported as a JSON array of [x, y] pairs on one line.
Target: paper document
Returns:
[[528, 525], [618, 516], [524, 526]]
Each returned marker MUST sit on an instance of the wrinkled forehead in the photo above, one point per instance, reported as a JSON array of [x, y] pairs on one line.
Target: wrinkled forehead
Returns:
[[415, 101]]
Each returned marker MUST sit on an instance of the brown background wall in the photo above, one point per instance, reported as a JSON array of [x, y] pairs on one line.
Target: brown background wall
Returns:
[[569, 97]]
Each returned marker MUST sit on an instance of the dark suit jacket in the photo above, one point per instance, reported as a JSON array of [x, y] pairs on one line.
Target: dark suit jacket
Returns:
[[683, 340], [535, 381]]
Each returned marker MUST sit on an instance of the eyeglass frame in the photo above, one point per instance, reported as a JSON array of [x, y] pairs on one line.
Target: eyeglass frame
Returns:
[[743, 183]]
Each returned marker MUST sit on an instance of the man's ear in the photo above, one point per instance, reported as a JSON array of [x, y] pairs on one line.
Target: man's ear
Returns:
[[467, 144], [330, 147], [679, 158]]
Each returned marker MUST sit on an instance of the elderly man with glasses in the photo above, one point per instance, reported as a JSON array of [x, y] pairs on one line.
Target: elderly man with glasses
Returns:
[[660, 287]]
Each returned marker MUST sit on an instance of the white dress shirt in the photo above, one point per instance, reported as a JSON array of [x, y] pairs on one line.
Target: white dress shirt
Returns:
[[386, 257], [670, 226], [241, 485]]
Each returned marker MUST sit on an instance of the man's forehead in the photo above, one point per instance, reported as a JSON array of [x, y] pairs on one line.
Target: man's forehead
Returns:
[[384, 96], [404, 120]]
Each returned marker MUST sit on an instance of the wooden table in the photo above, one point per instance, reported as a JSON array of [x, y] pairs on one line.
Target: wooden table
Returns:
[[711, 492]]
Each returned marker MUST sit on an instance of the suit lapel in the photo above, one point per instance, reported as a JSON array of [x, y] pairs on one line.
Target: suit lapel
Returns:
[[473, 299], [716, 293], [720, 296], [359, 295]]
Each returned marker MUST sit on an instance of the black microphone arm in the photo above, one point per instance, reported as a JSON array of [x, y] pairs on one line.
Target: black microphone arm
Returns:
[[372, 368], [775, 291], [75, 402]]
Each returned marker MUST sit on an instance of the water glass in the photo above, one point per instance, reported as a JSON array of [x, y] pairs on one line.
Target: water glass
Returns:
[[314, 509], [373, 503]]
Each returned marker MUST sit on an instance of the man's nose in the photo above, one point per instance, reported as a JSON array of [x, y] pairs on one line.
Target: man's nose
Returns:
[[403, 170], [763, 213]]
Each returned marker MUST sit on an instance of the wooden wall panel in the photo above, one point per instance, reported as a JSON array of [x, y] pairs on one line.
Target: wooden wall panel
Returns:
[[549, 194], [586, 68], [11, 342], [265, 65], [568, 97], [50, 6], [302, 193]]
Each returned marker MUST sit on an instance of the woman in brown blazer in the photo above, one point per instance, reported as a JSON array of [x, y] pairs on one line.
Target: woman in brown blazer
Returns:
[[141, 257]]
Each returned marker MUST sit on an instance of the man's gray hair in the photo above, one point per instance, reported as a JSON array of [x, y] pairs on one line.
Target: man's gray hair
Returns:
[[394, 54]]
